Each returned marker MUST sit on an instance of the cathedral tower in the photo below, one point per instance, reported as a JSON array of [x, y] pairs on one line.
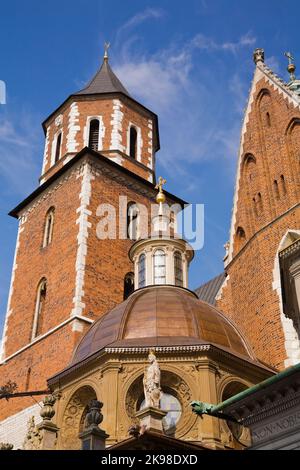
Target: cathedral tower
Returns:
[[261, 287], [99, 161]]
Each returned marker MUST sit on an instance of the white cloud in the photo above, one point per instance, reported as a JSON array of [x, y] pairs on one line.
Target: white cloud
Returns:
[[20, 152], [193, 113], [136, 20], [200, 41]]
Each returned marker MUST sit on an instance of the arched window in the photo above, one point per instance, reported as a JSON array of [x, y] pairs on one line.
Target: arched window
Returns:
[[142, 270], [276, 189], [178, 269], [128, 285], [48, 228], [259, 202], [57, 148], [39, 309], [159, 267], [240, 237], [94, 134], [283, 186], [268, 119], [133, 142], [132, 220]]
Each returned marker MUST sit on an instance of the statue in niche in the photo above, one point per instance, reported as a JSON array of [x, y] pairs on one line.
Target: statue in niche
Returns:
[[151, 382]]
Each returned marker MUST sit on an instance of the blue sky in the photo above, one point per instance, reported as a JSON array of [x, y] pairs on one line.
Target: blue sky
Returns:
[[190, 62]]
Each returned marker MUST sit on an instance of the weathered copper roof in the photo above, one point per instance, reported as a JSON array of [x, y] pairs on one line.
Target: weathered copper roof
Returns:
[[161, 316], [105, 81]]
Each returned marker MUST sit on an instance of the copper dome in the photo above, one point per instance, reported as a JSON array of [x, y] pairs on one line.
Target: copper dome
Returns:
[[161, 316]]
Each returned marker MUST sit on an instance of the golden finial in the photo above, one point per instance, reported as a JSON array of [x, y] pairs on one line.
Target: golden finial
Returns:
[[291, 67], [106, 47], [160, 198]]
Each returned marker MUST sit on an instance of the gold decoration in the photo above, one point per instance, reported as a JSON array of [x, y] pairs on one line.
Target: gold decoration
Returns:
[[160, 198]]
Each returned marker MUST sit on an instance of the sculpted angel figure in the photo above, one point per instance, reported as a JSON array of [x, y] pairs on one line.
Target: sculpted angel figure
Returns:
[[151, 382]]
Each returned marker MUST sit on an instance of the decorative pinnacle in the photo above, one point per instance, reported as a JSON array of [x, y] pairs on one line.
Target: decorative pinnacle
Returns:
[[106, 47], [160, 198], [258, 55], [291, 67]]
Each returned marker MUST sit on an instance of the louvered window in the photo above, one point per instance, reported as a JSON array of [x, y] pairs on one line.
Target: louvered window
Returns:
[[94, 134]]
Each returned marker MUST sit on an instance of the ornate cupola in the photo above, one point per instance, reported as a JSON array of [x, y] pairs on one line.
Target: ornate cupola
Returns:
[[164, 257], [104, 117], [293, 84]]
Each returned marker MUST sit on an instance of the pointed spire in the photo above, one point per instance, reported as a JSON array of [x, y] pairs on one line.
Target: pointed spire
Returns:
[[105, 81]]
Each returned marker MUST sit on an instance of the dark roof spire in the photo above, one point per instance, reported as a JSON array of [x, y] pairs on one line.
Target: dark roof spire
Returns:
[[105, 81]]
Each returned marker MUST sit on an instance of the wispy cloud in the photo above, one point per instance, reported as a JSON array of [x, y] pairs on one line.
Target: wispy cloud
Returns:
[[20, 151], [195, 124], [203, 42], [137, 19]]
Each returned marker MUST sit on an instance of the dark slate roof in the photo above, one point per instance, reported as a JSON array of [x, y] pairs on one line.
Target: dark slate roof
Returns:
[[105, 81], [208, 291]]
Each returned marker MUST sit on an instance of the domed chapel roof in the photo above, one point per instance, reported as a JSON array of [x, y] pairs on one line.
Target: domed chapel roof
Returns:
[[162, 316]]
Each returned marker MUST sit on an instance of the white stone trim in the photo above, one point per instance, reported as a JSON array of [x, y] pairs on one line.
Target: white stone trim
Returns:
[[84, 225], [72, 144], [139, 141], [46, 151], [150, 145], [261, 71], [86, 131], [117, 128], [11, 289], [14, 428], [292, 343], [48, 333]]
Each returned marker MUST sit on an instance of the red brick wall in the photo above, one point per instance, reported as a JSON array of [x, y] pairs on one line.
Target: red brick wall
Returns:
[[249, 297], [102, 107], [107, 263]]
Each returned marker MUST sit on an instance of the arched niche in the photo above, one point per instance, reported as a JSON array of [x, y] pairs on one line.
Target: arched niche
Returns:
[[73, 417], [171, 385], [293, 140]]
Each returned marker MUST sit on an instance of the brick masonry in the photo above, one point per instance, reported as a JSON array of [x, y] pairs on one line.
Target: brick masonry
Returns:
[[266, 208]]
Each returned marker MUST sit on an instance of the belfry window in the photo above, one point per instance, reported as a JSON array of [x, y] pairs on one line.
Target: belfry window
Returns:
[[132, 220], [94, 134], [142, 270], [57, 148], [128, 285], [178, 269], [133, 142], [48, 230], [39, 309], [159, 267]]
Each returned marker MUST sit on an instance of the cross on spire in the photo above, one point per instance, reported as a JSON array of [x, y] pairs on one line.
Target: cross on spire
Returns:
[[291, 66], [106, 47]]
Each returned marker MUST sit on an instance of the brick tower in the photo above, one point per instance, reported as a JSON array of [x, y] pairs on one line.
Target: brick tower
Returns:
[[100, 146], [261, 291]]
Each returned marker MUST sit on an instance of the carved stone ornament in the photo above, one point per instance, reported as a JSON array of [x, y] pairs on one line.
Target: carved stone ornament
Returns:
[[258, 55], [58, 120], [6, 446], [94, 416], [33, 437], [47, 412]]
